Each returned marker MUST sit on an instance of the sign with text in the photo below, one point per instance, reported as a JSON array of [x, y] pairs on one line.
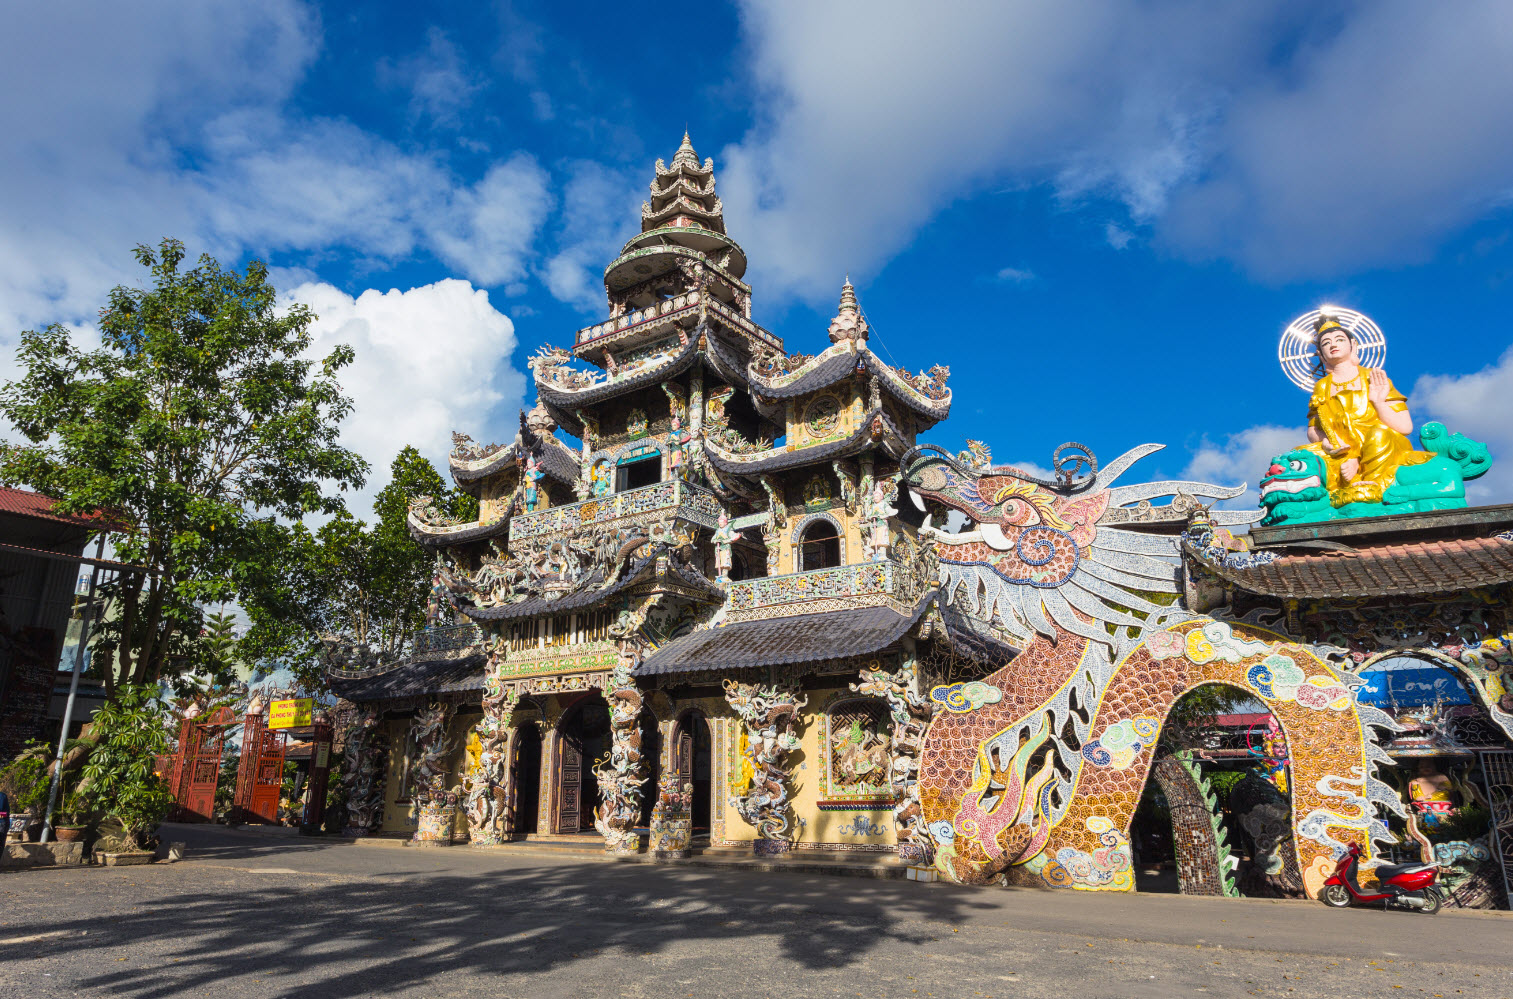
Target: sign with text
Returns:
[[291, 714]]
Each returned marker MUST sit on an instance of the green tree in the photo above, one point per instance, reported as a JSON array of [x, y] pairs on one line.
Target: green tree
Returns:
[[359, 584], [197, 424]]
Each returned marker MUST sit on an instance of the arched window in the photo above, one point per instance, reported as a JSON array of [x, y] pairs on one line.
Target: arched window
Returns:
[[819, 546]]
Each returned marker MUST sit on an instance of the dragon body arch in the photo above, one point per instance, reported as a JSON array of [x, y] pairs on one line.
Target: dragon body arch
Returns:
[[1033, 778]]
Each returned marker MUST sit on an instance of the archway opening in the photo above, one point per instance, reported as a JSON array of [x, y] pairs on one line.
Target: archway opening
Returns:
[[583, 742], [1448, 745], [692, 759], [820, 546], [1183, 829], [525, 778]]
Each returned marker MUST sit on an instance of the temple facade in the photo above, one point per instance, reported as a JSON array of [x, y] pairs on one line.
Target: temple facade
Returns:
[[706, 606], [682, 566]]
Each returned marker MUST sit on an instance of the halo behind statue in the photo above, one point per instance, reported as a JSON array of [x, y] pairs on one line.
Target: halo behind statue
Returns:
[[1300, 362]]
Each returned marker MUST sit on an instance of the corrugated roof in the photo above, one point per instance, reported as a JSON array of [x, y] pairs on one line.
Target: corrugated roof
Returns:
[[25, 503]]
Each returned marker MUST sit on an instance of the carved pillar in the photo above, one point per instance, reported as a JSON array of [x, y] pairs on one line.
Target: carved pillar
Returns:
[[434, 805], [362, 774], [696, 415], [909, 713], [671, 818], [485, 791], [620, 778], [770, 713]]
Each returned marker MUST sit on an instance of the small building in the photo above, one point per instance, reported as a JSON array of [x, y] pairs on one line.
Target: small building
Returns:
[[40, 564]]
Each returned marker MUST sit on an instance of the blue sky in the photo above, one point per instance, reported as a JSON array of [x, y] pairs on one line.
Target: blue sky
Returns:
[[1099, 216]]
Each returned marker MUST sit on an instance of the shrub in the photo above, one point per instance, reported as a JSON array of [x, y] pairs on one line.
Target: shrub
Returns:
[[118, 779]]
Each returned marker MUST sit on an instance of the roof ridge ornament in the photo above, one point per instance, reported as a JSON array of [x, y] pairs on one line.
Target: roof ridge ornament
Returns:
[[848, 324]]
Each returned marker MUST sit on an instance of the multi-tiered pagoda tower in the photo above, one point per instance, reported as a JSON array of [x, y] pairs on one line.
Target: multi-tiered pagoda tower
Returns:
[[680, 565]]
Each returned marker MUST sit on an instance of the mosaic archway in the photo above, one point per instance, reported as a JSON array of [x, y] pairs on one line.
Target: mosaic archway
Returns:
[[994, 807]]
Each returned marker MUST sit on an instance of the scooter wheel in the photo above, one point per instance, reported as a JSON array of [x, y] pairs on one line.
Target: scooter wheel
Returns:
[[1335, 895], [1431, 896]]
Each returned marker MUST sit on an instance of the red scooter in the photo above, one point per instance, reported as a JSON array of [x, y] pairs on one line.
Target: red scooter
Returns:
[[1407, 886]]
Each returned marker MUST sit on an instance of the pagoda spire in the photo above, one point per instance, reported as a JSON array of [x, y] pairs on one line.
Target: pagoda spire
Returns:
[[848, 324], [682, 195]]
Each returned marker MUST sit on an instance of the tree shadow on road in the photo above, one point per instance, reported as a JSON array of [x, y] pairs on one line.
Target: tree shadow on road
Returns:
[[359, 935]]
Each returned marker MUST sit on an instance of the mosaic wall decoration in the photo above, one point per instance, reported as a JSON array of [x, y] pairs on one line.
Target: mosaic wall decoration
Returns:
[[856, 748], [1039, 786]]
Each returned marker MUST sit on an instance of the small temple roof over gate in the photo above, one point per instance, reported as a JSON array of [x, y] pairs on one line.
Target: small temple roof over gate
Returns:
[[1417, 554], [408, 678], [806, 638], [1412, 569]]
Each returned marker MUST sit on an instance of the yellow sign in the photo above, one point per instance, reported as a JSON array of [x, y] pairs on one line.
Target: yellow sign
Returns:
[[291, 714]]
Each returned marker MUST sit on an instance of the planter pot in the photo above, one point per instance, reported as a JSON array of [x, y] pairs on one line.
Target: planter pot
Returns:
[[770, 847], [68, 834], [435, 826]]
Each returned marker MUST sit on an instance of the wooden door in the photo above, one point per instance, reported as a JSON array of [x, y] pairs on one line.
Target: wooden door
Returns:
[[685, 752], [569, 780]]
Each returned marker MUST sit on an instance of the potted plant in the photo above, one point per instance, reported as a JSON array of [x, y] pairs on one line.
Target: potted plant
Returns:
[[73, 819], [118, 780], [25, 782]]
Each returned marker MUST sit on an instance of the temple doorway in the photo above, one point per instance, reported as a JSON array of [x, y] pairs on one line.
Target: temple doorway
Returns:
[[692, 758], [583, 740], [525, 778]]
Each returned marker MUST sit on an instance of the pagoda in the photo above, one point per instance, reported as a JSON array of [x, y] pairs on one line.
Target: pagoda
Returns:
[[681, 560]]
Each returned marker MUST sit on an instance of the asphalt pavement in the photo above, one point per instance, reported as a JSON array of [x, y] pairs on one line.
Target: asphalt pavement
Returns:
[[250, 914]]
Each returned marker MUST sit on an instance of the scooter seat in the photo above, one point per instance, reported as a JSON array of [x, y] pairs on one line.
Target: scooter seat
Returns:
[[1386, 872]]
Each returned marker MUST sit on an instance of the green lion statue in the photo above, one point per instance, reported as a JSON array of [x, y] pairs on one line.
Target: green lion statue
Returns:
[[1294, 491]]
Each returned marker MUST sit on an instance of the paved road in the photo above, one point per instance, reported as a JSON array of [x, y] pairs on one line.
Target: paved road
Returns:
[[249, 914]]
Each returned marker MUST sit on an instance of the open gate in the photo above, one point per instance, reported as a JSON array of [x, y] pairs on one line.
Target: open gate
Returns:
[[261, 774], [192, 771]]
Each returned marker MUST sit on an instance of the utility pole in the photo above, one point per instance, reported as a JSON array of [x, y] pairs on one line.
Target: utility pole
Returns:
[[73, 691]]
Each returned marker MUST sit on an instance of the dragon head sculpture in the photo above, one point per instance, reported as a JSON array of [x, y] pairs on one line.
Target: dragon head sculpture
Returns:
[[1073, 551], [1294, 486]]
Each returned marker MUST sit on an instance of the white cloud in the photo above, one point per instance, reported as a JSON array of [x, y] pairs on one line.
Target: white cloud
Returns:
[[1479, 405], [175, 122], [1016, 275], [1298, 141], [601, 209], [1242, 458], [428, 361], [440, 82]]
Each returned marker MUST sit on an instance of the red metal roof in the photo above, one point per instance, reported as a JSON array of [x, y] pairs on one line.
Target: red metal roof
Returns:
[[25, 503]]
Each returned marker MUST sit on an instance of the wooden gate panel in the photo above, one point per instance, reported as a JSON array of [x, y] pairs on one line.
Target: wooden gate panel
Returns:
[[569, 782]]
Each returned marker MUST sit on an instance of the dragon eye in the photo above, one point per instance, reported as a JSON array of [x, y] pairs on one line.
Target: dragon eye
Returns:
[[1297, 466]]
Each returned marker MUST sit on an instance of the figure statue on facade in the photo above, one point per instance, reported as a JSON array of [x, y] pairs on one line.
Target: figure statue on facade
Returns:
[[532, 479], [724, 536], [602, 480], [770, 712], [677, 440], [879, 510], [1431, 791], [1359, 461]]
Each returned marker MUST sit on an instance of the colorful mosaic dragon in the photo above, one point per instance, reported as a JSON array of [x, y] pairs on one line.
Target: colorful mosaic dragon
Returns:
[[1034, 777]]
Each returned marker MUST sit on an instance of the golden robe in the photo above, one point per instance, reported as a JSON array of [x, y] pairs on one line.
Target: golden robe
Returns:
[[1343, 413]]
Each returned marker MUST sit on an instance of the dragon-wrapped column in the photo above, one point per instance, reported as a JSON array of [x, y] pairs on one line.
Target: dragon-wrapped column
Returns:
[[620, 777], [485, 790], [909, 712], [433, 804], [770, 712], [363, 774]]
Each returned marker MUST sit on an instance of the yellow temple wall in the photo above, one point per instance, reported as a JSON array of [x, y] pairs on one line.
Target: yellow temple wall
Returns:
[[396, 813]]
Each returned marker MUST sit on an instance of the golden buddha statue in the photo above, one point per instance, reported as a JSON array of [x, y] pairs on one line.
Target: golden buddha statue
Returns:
[[1358, 421]]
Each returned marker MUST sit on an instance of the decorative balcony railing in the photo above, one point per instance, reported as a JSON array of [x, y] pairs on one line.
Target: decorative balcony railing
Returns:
[[675, 306], [448, 638], [885, 579], [683, 499]]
